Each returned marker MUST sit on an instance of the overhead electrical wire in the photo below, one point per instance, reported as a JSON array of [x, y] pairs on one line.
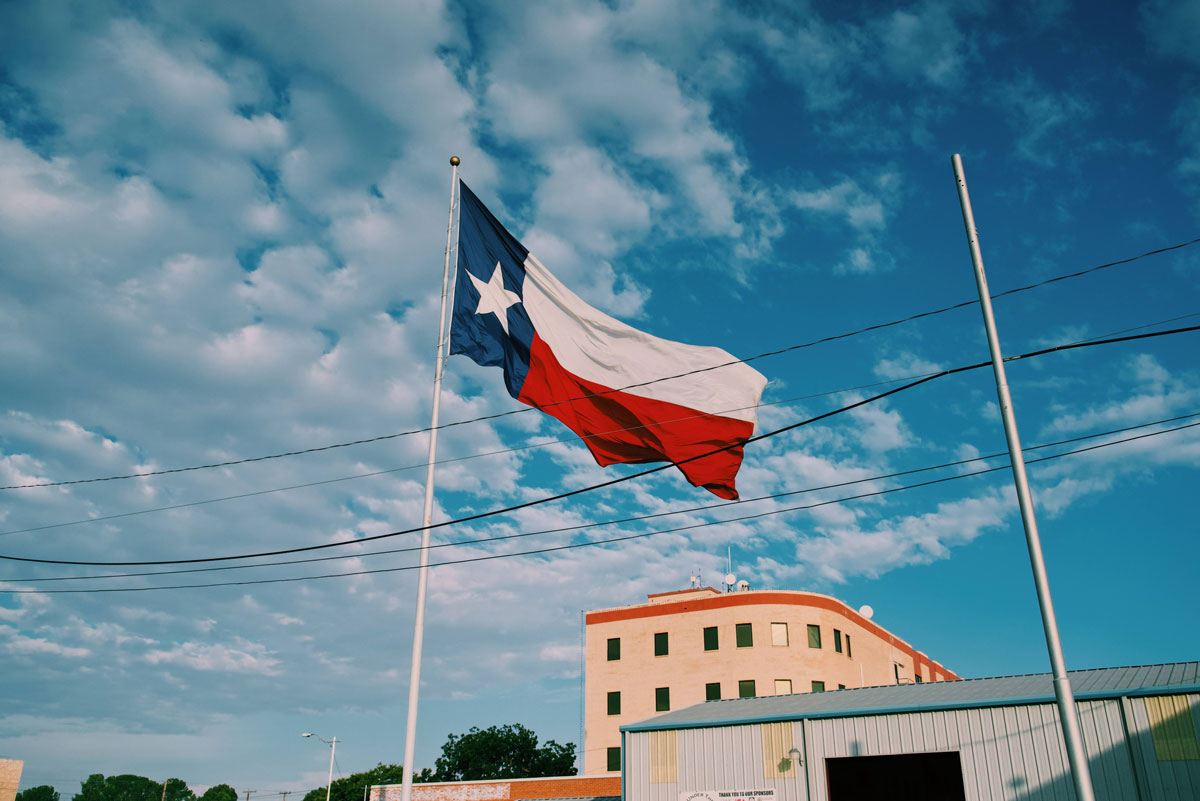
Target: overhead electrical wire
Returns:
[[514, 449], [572, 546], [654, 515], [790, 348], [613, 481]]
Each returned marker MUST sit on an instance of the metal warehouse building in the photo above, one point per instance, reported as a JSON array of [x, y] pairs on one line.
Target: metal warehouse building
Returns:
[[977, 739]]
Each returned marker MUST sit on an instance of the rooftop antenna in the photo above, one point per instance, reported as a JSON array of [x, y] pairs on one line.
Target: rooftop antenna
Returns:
[[695, 580]]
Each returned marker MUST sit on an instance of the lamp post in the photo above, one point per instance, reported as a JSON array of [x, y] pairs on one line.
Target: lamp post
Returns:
[[332, 750]]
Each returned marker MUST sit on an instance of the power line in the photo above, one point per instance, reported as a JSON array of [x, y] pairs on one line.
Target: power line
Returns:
[[790, 348], [515, 449], [572, 546], [614, 481], [655, 515]]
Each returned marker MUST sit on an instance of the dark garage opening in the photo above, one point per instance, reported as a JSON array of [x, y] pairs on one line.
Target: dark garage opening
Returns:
[[898, 777]]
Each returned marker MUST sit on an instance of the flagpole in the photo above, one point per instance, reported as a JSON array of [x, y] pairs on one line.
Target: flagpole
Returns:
[[1076, 757], [414, 681]]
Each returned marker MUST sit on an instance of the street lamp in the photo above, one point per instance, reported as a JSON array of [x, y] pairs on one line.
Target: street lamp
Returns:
[[332, 750]]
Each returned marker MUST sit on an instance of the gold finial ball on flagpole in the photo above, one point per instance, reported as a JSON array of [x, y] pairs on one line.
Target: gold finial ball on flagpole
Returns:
[[454, 161]]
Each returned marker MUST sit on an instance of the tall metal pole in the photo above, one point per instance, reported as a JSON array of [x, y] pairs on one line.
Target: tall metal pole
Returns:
[[414, 680], [1076, 757], [332, 751]]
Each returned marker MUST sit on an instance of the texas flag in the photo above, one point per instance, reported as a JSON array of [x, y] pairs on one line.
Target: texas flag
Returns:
[[609, 383]]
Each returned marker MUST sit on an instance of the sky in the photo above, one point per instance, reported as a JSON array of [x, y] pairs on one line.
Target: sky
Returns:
[[222, 229]]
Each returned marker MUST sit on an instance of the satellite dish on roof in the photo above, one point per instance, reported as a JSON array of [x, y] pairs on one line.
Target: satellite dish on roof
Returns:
[[866, 611], [730, 579], [743, 585]]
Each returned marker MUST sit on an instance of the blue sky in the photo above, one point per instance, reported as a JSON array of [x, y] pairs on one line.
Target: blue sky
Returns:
[[221, 233]]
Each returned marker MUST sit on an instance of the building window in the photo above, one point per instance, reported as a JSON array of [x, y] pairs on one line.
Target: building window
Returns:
[[814, 636], [614, 649], [837, 641], [849, 653], [614, 759], [744, 635], [660, 644], [919, 679], [712, 691], [710, 638], [746, 688], [841, 686], [783, 686], [662, 699], [779, 634], [614, 703], [896, 670], [818, 687]]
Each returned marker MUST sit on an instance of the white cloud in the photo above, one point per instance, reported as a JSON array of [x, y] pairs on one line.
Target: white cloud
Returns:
[[241, 657]]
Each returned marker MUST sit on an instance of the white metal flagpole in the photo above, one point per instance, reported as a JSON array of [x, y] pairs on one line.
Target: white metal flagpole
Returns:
[[414, 680], [1076, 757]]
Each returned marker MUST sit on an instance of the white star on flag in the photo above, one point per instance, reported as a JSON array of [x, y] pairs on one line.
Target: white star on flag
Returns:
[[494, 298]]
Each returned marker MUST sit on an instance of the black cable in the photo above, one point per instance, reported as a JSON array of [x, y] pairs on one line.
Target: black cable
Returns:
[[518, 448], [614, 481], [790, 348], [572, 546], [422, 465], [638, 518]]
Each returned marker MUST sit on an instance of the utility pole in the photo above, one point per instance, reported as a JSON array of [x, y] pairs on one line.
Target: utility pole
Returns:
[[164, 795], [248, 792]]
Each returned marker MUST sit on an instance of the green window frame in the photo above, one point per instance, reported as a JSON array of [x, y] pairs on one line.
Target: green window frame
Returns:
[[614, 649], [614, 759], [744, 635], [662, 699], [841, 686], [710, 638], [661, 644], [814, 636], [712, 691], [614, 703], [837, 641], [746, 688], [818, 686], [849, 653]]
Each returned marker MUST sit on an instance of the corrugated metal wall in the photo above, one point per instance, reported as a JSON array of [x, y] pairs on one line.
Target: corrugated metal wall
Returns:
[[1006, 753]]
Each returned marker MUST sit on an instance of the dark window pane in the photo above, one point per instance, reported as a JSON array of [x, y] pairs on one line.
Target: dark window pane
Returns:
[[614, 649], [662, 699], [841, 686], [848, 651], [614, 703], [746, 688], [745, 635], [710, 638], [814, 636], [712, 692], [818, 687], [660, 644], [837, 641], [614, 758]]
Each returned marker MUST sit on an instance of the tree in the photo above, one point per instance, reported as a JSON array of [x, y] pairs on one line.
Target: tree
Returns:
[[128, 787], [351, 787], [43, 792], [502, 752], [219, 792]]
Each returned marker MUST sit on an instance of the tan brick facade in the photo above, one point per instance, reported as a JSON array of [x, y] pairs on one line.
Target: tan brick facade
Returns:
[[853, 652], [10, 778]]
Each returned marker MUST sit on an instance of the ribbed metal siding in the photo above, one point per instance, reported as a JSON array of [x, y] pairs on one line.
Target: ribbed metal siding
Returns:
[[722, 758], [1013, 752], [1005, 752], [1175, 780]]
